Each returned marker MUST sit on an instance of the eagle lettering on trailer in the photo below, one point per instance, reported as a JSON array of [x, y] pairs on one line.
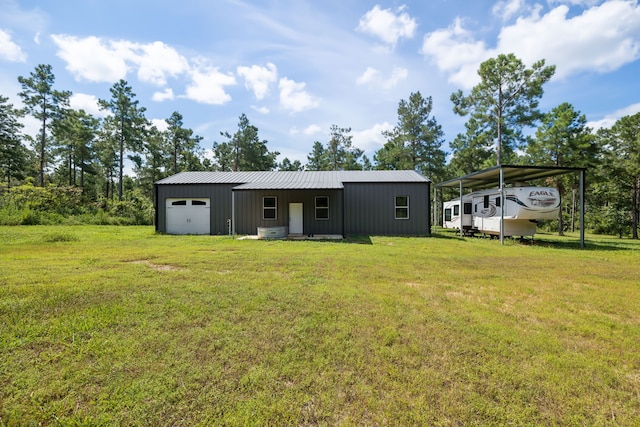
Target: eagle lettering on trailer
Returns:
[[542, 198]]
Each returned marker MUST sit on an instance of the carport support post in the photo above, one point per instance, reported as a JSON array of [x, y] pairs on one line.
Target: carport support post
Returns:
[[461, 211], [582, 179], [435, 210], [502, 205]]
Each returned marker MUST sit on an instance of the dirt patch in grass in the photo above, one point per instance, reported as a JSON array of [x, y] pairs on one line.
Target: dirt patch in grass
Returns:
[[157, 267]]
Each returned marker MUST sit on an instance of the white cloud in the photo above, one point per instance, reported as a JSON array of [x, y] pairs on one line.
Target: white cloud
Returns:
[[506, 9], [312, 129], [259, 78], [373, 77], [293, 97], [156, 61], [160, 124], [166, 94], [207, 86], [371, 139], [87, 58], [370, 75], [610, 119], [602, 38], [261, 110], [9, 50], [387, 25], [309, 130], [97, 60], [575, 2], [88, 103], [456, 52]]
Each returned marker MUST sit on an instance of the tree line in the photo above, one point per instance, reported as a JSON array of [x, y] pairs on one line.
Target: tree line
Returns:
[[86, 155]]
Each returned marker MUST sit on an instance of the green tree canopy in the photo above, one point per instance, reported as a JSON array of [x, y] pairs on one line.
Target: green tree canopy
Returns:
[[415, 142], [74, 134], [244, 150], [338, 154], [288, 165], [505, 101], [471, 150], [44, 104], [563, 139], [13, 155], [126, 125], [183, 144], [622, 157], [317, 160]]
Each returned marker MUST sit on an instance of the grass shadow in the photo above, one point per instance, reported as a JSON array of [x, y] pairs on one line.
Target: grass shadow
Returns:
[[358, 240]]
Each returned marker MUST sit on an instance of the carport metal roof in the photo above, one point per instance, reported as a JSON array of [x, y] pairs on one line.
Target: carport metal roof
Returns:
[[511, 174], [498, 176]]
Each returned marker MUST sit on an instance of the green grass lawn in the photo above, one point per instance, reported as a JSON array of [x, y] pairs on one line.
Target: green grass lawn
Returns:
[[120, 326]]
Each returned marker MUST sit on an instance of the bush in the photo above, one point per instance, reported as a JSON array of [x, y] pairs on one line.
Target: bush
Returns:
[[29, 205], [59, 236]]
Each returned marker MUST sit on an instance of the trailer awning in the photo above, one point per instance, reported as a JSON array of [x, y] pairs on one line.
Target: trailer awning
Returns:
[[511, 174]]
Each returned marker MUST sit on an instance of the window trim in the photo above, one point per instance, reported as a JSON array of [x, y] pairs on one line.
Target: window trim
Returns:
[[273, 208], [322, 208], [401, 207]]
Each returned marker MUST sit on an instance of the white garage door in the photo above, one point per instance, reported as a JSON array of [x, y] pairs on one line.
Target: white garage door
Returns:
[[188, 216]]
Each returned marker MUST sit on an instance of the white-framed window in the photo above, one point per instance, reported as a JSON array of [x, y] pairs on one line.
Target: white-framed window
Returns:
[[270, 207], [402, 207], [322, 207]]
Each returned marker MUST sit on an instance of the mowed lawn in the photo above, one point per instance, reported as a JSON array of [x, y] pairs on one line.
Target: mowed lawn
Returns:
[[121, 326]]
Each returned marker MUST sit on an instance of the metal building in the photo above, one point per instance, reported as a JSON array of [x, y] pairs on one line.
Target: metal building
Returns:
[[301, 203]]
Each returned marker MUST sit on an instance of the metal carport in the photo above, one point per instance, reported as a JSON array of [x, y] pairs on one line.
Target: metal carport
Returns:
[[509, 174]]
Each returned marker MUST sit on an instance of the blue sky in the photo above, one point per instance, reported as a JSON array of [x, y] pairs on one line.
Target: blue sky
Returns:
[[295, 67]]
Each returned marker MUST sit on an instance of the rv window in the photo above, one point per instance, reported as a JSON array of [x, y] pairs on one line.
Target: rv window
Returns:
[[447, 214], [322, 207], [498, 201], [486, 202], [269, 207], [456, 210], [402, 207], [467, 208]]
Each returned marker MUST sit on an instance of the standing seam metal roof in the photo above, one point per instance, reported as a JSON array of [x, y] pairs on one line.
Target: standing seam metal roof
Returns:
[[280, 180]]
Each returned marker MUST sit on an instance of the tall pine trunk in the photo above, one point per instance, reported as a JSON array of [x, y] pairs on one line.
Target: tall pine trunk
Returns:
[[635, 211]]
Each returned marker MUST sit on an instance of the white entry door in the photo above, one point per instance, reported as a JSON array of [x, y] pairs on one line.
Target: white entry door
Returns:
[[188, 216], [295, 218]]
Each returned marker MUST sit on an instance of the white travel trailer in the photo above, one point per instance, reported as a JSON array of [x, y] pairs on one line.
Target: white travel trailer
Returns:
[[481, 211]]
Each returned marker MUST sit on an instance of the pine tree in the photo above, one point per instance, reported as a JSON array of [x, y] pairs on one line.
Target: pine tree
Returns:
[[126, 125], [45, 104]]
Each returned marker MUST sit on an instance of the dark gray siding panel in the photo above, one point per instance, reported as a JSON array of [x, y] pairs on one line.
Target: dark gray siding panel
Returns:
[[220, 196], [360, 208], [370, 209], [248, 210]]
